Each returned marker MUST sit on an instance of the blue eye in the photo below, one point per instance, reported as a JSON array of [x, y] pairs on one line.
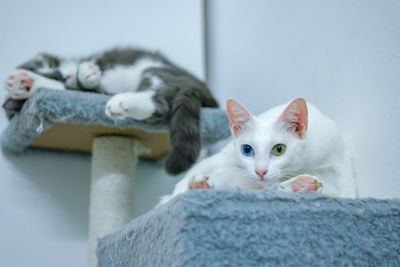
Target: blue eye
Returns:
[[247, 150]]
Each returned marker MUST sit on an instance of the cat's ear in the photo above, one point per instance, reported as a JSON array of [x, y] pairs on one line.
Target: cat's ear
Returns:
[[239, 117], [295, 117]]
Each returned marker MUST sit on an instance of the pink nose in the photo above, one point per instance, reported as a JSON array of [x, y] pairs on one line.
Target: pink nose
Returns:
[[261, 173]]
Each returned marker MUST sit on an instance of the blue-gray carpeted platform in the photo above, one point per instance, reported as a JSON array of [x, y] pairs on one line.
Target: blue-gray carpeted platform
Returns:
[[48, 107], [258, 228]]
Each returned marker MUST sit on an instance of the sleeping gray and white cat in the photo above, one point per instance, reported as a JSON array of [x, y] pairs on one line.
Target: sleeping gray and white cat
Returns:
[[293, 148], [145, 85]]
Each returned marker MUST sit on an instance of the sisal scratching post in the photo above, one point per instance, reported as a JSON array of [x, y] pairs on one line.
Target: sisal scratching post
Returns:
[[114, 160]]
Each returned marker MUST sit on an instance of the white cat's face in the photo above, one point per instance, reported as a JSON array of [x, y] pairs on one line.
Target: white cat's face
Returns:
[[268, 148]]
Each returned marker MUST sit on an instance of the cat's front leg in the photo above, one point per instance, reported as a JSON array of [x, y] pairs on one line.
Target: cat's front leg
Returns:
[[190, 182], [22, 84], [218, 177], [301, 184], [200, 183], [204, 181], [137, 105]]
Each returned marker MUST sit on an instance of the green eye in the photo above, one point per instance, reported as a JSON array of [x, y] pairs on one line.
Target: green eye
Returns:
[[279, 149]]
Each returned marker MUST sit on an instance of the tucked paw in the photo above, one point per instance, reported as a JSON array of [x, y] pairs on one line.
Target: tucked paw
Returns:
[[134, 105], [19, 84], [200, 181], [301, 184], [89, 75], [117, 107], [70, 81], [305, 184]]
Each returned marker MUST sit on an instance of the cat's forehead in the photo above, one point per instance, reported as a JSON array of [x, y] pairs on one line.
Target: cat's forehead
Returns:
[[263, 127], [260, 131]]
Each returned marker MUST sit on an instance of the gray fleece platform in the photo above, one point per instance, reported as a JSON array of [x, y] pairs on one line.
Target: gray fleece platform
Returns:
[[258, 228], [48, 107]]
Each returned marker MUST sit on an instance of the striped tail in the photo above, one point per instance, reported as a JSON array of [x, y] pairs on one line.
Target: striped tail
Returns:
[[184, 124]]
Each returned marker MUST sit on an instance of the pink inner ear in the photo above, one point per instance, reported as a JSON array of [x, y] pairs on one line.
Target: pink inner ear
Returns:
[[296, 114], [238, 116]]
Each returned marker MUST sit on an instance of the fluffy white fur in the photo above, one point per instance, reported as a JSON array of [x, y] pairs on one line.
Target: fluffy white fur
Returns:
[[127, 102], [126, 78], [137, 105], [318, 152]]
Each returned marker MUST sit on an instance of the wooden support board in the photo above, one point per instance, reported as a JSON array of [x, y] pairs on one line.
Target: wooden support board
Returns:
[[79, 137]]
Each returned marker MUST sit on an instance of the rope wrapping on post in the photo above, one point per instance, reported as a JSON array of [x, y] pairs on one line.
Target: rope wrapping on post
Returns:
[[114, 161]]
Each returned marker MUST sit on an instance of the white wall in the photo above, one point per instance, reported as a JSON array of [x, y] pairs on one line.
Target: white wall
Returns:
[[343, 56], [44, 195]]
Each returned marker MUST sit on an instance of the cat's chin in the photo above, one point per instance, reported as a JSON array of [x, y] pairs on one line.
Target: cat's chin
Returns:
[[265, 182]]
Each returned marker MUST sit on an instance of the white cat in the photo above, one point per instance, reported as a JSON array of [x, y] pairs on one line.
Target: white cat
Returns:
[[293, 148]]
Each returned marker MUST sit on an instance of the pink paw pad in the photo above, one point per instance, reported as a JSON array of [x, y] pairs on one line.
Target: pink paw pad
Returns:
[[19, 82], [199, 185], [27, 83], [306, 184]]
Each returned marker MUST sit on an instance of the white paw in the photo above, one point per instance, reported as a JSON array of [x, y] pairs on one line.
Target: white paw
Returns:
[[134, 105], [89, 75], [20, 83], [201, 181], [302, 184]]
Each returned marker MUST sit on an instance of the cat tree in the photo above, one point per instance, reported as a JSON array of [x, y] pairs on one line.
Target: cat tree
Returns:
[[200, 227], [258, 228], [75, 121]]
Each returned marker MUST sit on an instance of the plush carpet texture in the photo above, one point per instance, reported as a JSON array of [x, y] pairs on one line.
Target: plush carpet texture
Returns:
[[258, 228], [48, 107]]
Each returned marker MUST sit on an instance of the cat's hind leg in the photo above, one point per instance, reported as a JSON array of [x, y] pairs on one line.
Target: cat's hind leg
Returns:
[[301, 184], [21, 84], [137, 105], [88, 76]]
